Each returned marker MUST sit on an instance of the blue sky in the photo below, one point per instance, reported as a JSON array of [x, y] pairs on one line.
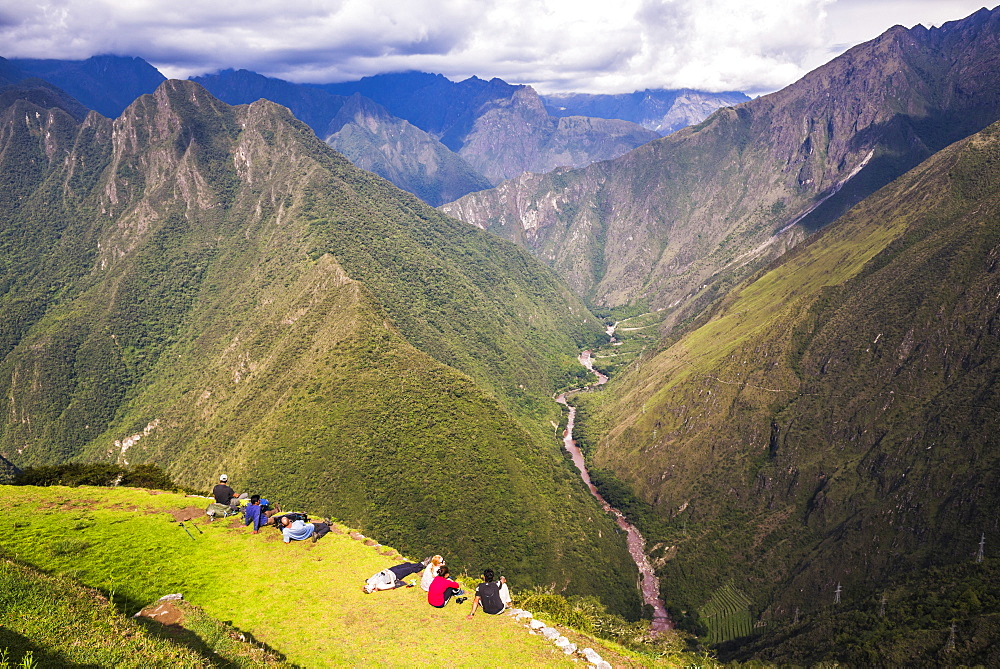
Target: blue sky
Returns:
[[554, 45]]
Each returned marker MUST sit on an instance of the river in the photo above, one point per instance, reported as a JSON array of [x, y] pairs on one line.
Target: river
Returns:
[[650, 585]]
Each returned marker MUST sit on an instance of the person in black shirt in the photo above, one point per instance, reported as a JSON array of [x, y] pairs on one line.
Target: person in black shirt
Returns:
[[223, 493], [493, 596]]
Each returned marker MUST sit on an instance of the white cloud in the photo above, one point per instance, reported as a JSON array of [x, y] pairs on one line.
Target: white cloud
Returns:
[[556, 45]]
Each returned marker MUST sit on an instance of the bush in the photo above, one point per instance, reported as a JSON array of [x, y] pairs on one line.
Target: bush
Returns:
[[96, 474]]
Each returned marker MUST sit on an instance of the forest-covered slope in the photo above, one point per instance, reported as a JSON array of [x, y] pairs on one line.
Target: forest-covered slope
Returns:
[[835, 421], [211, 288]]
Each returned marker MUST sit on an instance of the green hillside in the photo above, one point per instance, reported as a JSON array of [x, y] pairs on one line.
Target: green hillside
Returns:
[[301, 601], [212, 289], [835, 420]]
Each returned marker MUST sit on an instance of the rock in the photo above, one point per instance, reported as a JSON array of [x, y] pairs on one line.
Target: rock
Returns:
[[591, 655], [167, 598], [603, 664], [569, 648], [550, 633], [561, 641], [536, 624]]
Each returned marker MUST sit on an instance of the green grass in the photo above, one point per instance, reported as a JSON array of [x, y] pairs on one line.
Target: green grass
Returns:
[[37, 610], [303, 600]]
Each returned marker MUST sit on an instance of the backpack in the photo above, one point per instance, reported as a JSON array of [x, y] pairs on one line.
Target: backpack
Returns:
[[216, 510]]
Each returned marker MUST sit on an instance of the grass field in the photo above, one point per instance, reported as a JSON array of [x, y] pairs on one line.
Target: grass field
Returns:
[[303, 600]]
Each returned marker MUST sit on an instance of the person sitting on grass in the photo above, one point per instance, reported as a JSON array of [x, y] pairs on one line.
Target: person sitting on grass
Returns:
[[255, 513], [442, 589], [391, 578], [224, 494], [492, 595], [430, 572]]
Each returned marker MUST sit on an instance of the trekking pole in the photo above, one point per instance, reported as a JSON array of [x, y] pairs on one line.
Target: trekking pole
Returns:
[[196, 527], [186, 530]]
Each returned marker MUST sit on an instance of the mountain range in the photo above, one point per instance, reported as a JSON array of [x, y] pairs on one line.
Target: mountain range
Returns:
[[801, 414], [663, 111], [213, 289], [679, 220], [432, 137]]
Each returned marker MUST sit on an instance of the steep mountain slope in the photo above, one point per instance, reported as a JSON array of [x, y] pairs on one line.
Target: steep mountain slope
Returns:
[[407, 156], [106, 84], [835, 422], [678, 220], [212, 289], [362, 130], [501, 130], [663, 111]]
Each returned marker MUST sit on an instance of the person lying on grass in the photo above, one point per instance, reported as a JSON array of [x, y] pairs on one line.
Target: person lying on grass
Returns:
[[442, 589], [391, 578], [492, 595], [297, 530]]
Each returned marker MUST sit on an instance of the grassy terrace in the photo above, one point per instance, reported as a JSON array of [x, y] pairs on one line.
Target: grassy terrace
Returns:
[[302, 600]]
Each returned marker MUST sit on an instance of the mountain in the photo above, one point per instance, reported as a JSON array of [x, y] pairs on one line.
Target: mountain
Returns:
[[407, 156], [106, 84], [678, 221], [432, 102], [663, 111], [830, 430], [213, 289], [362, 130], [501, 130]]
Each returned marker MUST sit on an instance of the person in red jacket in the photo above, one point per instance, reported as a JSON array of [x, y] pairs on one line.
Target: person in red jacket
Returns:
[[442, 589]]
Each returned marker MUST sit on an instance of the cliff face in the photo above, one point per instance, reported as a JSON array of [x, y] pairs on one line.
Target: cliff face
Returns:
[[210, 288], [679, 219]]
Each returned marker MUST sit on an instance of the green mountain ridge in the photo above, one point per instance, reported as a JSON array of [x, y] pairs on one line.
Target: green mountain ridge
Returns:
[[833, 424], [210, 288]]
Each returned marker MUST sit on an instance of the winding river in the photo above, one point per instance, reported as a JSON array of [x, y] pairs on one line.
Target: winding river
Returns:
[[650, 585]]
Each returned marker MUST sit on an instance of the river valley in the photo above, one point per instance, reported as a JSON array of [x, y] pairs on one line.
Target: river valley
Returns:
[[649, 584]]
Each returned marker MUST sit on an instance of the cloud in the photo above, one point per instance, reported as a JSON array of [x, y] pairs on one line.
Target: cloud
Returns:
[[556, 45]]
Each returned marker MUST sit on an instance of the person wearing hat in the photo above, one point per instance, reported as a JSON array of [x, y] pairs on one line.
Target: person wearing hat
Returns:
[[223, 493]]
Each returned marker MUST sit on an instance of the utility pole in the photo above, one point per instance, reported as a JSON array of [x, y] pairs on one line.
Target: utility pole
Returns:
[[982, 543], [949, 647], [795, 621], [881, 607], [836, 595]]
